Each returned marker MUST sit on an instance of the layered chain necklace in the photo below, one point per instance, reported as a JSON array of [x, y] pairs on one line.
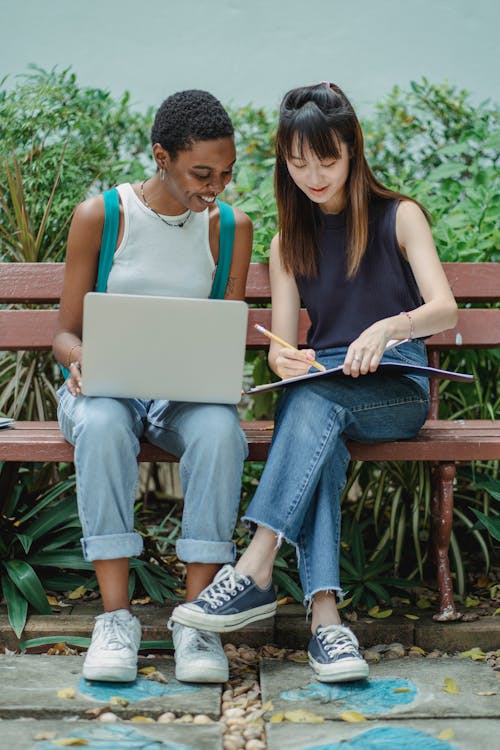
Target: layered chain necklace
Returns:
[[178, 224]]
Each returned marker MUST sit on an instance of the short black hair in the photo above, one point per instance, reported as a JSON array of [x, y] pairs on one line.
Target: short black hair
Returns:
[[189, 116]]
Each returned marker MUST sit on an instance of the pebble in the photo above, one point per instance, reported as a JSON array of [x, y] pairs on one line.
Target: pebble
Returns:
[[372, 657], [255, 745], [166, 718], [108, 717], [184, 719], [202, 719]]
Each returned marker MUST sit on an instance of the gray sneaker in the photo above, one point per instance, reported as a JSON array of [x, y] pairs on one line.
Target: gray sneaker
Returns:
[[230, 602], [112, 654], [199, 656], [334, 656]]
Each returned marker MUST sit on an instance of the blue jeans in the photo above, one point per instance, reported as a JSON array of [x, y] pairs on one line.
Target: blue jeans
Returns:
[[106, 433], [299, 493]]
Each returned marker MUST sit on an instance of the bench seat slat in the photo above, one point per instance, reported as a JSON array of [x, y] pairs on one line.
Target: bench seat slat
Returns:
[[42, 282], [456, 440]]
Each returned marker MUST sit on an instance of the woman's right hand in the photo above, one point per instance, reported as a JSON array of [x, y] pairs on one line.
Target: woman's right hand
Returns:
[[291, 363], [74, 382]]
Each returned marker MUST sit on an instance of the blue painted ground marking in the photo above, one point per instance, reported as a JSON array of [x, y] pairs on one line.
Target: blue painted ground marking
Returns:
[[138, 690], [388, 738], [366, 696], [114, 738]]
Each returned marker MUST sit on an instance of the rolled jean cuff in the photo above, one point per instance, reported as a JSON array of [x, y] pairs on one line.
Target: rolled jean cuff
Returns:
[[111, 546], [203, 551]]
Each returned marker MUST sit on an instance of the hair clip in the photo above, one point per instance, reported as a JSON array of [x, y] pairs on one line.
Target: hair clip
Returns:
[[326, 83]]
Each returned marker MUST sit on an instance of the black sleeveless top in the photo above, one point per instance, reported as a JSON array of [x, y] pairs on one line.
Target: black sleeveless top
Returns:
[[340, 308]]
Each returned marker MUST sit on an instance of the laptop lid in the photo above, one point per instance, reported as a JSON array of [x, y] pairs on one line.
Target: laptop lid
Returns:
[[180, 349]]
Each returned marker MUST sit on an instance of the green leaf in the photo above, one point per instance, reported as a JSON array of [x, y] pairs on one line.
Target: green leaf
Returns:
[[17, 605], [288, 585], [60, 559], [28, 583], [26, 541], [74, 640], [491, 524], [149, 582], [53, 517]]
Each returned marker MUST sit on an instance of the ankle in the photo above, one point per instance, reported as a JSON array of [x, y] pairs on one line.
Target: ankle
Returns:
[[261, 576]]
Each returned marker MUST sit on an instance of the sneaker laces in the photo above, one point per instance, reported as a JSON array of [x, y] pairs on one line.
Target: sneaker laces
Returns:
[[337, 640], [227, 583], [115, 632]]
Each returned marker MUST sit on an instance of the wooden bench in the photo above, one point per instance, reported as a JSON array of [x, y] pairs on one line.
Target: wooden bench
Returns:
[[443, 443]]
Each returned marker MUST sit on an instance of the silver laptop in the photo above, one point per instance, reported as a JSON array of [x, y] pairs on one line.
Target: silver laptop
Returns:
[[163, 347]]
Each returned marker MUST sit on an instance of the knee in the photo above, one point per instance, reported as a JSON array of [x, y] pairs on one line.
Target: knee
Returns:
[[220, 432], [105, 424]]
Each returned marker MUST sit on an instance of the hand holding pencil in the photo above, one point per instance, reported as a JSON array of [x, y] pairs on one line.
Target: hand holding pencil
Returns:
[[285, 344]]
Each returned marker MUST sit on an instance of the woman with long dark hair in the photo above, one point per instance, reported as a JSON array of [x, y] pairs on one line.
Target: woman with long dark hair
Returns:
[[362, 260]]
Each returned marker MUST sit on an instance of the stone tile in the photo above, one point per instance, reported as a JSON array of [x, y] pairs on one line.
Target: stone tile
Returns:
[[459, 636], [22, 735], [292, 630], [396, 689], [419, 734], [34, 681]]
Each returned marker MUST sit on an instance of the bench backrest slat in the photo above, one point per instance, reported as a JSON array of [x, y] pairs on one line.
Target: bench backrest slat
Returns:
[[42, 282], [33, 330]]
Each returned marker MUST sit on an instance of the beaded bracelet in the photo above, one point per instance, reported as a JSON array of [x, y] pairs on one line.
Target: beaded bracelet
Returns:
[[410, 335]]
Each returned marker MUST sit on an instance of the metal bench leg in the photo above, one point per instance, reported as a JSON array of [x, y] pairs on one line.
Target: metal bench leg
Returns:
[[443, 475]]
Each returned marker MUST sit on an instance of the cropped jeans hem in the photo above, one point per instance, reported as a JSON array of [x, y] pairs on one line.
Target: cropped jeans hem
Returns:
[[111, 546], [203, 551]]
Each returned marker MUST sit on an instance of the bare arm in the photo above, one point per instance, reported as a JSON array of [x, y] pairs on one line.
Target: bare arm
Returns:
[[439, 311], [242, 252], [84, 242], [287, 363]]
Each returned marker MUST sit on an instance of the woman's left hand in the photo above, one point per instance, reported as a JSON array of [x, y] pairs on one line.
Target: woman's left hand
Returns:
[[365, 352]]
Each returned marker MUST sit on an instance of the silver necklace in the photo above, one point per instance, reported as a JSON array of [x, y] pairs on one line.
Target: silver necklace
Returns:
[[179, 224]]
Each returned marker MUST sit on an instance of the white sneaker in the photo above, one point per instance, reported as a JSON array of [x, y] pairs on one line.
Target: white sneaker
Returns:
[[199, 656], [112, 655]]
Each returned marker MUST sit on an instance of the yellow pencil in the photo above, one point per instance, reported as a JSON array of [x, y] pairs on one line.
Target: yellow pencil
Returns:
[[277, 339]]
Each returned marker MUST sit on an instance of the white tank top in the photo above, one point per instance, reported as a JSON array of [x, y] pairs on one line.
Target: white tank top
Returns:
[[156, 259]]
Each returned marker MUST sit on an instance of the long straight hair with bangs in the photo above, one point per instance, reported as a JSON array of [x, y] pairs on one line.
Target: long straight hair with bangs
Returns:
[[321, 117]]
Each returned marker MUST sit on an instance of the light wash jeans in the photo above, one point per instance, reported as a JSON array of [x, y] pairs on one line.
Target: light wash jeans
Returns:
[[299, 492], [106, 433]]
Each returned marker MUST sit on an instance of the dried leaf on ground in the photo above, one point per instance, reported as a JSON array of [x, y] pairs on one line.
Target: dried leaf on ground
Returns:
[[474, 653], [450, 686], [446, 734], [70, 741], [147, 670], [378, 613], [142, 719], [156, 676], [352, 717], [39, 736], [67, 693], [77, 593], [117, 700]]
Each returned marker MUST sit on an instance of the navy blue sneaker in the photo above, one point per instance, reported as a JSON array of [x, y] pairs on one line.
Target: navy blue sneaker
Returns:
[[230, 602], [334, 656]]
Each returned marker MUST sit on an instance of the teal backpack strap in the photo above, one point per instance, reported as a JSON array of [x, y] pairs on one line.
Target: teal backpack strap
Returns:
[[108, 243], [109, 237], [226, 242]]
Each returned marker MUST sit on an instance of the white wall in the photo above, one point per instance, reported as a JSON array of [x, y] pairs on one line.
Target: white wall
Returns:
[[254, 50]]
